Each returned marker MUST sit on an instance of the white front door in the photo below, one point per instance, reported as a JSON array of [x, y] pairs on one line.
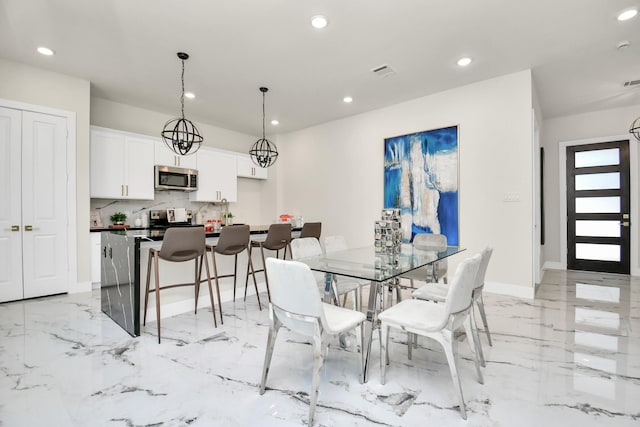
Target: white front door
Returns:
[[10, 205], [33, 190]]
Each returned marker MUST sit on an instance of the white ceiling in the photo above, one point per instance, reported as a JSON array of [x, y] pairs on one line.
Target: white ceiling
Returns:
[[127, 49]]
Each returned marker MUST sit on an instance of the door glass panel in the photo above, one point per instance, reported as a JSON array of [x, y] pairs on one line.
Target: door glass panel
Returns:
[[599, 252], [598, 181], [598, 204], [585, 159], [598, 228]]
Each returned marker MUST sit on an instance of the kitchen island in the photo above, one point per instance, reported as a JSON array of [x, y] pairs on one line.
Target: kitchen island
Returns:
[[123, 261]]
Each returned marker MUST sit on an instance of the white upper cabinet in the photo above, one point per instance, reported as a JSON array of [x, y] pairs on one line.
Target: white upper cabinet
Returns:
[[248, 169], [121, 165], [166, 157], [217, 177]]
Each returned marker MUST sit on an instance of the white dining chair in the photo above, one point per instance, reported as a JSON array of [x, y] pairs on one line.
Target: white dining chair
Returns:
[[296, 306], [438, 322], [344, 285], [304, 247], [438, 292], [431, 272]]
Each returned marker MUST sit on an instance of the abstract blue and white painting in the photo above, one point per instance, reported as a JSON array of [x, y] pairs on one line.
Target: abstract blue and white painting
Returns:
[[421, 178]]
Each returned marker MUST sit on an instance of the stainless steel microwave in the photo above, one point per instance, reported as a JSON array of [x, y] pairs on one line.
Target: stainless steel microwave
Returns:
[[171, 178]]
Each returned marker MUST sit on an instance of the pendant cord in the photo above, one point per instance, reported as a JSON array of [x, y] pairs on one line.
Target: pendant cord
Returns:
[[182, 96], [263, 133]]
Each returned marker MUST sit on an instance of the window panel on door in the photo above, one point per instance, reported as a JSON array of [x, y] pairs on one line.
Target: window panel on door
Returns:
[[598, 252], [598, 204], [586, 159], [598, 228], [598, 181]]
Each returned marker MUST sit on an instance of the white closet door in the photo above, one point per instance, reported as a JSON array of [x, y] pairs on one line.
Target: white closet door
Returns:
[[10, 206], [44, 200]]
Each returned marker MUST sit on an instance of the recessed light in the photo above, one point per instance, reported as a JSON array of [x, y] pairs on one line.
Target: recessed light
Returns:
[[627, 14], [275, 122], [45, 51], [463, 62], [319, 22], [189, 95], [347, 99]]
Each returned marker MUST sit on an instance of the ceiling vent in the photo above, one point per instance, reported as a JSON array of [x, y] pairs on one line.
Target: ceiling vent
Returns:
[[632, 83], [383, 71]]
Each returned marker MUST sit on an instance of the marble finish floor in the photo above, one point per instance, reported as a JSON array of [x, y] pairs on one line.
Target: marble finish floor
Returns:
[[570, 357]]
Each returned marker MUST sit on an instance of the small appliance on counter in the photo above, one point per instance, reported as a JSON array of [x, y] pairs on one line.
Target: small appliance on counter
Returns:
[[162, 219]]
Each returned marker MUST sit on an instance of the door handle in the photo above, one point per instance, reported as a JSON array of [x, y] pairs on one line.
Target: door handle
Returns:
[[27, 228], [625, 223], [15, 228]]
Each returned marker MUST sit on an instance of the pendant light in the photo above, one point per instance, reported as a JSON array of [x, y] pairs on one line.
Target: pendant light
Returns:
[[635, 128], [181, 135], [263, 152]]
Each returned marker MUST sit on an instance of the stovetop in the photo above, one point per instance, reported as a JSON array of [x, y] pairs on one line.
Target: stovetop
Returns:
[[161, 219]]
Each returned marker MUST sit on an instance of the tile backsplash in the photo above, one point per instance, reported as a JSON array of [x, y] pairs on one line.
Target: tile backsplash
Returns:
[[163, 200]]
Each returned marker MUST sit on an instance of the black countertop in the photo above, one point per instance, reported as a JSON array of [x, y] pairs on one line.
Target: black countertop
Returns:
[[158, 235]]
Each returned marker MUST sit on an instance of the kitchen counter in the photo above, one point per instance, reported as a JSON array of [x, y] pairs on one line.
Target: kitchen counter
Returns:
[[123, 260]]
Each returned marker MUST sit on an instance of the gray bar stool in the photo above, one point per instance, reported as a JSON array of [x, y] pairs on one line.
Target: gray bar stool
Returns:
[[311, 229], [180, 244], [233, 240], [278, 237]]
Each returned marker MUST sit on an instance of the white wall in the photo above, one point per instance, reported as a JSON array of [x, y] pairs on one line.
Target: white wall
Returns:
[[35, 86], [334, 172], [599, 124], [256, 198]]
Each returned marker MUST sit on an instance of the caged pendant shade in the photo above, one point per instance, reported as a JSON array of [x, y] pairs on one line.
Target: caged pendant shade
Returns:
[[635, 129], [180, 134], [263, 152]]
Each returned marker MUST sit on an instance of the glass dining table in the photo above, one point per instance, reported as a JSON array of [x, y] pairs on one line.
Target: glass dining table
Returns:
[[366, 263]]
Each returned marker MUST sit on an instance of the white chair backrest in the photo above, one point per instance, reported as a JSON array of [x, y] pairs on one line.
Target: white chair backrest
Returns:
[[484, 263], [334, 244], [305, 247], [293, 287], [461, 287], [430, 241]]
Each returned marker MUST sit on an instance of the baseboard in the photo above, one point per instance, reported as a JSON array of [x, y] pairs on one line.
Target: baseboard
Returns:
[[80, 287], [552, 265], [509, 289]]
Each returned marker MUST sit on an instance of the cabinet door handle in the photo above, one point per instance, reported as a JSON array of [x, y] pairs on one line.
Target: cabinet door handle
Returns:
[[111, 253], [122, 189], [127, 186], [15, 228], [104, 251]]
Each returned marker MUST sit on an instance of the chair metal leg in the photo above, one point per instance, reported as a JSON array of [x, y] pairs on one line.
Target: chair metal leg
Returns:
[[450, 345], [255, 283], [157, 295], [480, 303], [361, 329], [196, 282], [266, 277], [384, 352], [213, 305], [215, 272], [146, 291], [315, 383], [476, 337], [271, 341], [472, 336]]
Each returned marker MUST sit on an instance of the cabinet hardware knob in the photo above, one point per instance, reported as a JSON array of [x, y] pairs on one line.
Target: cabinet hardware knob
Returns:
[[625, 223]]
